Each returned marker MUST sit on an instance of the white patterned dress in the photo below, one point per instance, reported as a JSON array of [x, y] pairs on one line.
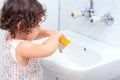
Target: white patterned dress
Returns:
[[12, 70]]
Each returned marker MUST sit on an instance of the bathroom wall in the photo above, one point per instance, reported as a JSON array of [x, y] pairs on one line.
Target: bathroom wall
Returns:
[[52, 14], [109, 34]]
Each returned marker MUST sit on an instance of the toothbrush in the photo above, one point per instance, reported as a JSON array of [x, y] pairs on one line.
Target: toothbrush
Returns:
[[64, 41]]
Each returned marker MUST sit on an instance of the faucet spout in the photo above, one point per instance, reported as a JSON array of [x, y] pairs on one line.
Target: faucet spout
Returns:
[[91, 4], [91, 9]]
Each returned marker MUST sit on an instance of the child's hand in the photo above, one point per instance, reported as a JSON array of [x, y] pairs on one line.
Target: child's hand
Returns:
[[60, 34], [62, 45]]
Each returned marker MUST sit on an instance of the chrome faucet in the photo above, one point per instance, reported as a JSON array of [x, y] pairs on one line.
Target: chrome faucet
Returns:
[[89, 13], [107, 18]]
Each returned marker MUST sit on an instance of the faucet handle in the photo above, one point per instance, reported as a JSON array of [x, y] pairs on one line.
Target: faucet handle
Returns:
[[94, 20], [108, 19], [76, 14]]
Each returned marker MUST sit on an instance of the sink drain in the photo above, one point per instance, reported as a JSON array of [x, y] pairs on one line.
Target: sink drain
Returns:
[[84, 49]]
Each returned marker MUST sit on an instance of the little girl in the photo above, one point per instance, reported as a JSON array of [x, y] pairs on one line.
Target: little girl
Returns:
[[20, 19]]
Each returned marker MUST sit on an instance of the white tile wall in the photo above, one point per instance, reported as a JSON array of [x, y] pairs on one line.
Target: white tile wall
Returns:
[[52, 13], [102, 32]]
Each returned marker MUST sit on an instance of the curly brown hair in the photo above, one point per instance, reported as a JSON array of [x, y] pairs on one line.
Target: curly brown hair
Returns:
[[28, 12]]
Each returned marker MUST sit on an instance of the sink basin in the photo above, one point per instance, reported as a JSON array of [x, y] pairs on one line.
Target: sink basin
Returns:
[[82, 55], [84, 59]]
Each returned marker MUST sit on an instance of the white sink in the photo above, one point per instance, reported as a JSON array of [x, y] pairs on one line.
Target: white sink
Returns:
[[84, 59]]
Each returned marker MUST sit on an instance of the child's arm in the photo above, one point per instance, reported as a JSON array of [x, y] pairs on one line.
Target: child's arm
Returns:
[[29, 50], [44, 33]]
